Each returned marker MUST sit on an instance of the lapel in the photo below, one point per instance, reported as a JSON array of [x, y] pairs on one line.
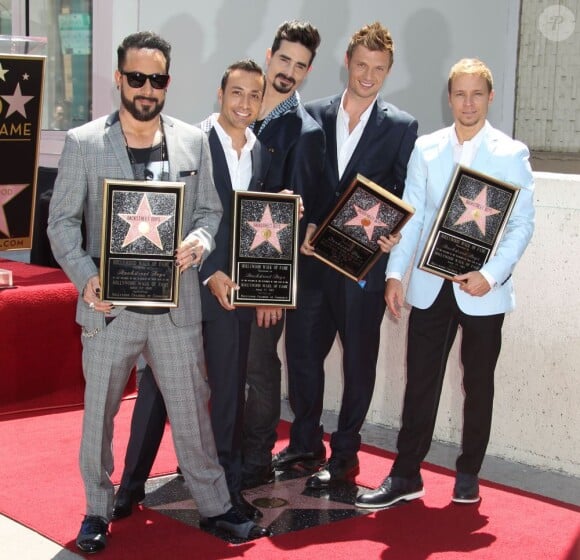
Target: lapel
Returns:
[[173, 154], [446, 165], [486, 149], [221, 172], [369, 136], [329, 126], [114, 134], [256, 182]]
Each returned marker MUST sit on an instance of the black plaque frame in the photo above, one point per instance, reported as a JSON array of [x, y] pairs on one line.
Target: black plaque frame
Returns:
[[461, 239], [141, 230], [21, 97], [265, 271], [348, 247]]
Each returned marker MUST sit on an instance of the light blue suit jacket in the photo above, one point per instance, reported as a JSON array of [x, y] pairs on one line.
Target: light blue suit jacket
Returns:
[[428, 175]]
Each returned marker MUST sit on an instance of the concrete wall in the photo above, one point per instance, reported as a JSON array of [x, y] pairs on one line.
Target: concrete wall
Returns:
[[548, 96], [429, 37], [537, 412], [207, 36]]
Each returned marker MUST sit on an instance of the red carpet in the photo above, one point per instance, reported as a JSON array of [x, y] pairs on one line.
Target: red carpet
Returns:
[[41, 488], [40, 343]]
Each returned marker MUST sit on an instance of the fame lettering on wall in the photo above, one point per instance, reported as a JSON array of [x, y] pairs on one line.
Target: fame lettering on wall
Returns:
[[21, 80]]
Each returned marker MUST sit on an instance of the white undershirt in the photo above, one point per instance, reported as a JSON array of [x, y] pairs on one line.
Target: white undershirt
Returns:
[[465, 153]]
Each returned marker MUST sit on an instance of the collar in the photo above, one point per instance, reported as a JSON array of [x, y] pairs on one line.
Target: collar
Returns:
[[475, 141], [344, 116], [212, 122], [226, 139], [289, 104]]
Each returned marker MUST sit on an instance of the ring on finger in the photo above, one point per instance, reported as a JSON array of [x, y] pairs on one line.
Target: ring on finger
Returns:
[[92, 306]]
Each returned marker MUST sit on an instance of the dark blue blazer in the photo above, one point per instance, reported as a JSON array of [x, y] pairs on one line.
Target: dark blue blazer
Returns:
[[381, 155], [219, 258], [297, 147]]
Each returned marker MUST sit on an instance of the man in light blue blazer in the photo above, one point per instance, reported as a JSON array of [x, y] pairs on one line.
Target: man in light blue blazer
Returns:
[[477, 301]]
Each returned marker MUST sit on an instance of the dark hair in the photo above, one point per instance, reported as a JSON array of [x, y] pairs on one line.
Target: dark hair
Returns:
[[246, 64], [143, 40], [374, 37], [298, 32]]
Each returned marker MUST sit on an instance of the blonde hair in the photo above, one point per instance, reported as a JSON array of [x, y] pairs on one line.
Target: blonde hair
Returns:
[[471, 66], [375, 37]]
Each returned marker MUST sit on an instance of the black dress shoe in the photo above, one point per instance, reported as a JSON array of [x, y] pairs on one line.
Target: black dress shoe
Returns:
[[257, 476], [466, 490], [245, 507], [394, 489], [289, 457], [93, 534], [336, 470], [236, 524], [124, 501]]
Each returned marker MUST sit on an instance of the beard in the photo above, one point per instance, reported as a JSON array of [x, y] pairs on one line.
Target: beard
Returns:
[[145, 114], [283, 88]]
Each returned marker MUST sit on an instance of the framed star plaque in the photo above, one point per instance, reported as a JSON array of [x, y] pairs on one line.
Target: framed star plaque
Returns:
[[265, 249], [347, 239], [469, 224], [21, 84], [142, 228]]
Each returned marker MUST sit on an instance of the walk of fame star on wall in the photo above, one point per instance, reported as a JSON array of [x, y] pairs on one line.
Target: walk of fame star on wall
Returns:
[[7, 193]]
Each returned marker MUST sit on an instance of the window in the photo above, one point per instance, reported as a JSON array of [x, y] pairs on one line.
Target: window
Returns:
[[77, 86], [5, 17], [67, 86]]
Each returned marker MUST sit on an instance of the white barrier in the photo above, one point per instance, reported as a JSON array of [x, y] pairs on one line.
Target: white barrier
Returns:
[[537, 399]]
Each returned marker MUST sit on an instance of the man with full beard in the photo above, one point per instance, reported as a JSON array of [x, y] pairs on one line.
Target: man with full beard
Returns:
[[139, 142]]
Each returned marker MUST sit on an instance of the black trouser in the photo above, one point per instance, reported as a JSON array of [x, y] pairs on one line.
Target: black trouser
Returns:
[[431, 335]]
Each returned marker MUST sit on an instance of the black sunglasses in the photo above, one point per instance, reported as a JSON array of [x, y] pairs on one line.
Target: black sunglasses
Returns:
[[138, 79]]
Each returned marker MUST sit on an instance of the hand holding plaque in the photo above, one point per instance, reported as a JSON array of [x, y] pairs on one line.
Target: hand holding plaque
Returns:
[[142, 223], [265, 249], [347, 240], [469, 224]]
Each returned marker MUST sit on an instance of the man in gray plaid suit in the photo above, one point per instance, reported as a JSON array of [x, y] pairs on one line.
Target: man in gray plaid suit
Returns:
[[139, 142]]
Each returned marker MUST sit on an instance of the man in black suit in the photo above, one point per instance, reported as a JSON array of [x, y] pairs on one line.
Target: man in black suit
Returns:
[[240, 162], [296, 144], [364, 134]]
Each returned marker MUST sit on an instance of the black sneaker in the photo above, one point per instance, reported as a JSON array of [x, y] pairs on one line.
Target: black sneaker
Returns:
[[92, 536], [466, 490], [236, 524], [394, 489]]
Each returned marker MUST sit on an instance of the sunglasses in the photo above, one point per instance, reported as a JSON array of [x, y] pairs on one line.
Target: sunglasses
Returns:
[[138, 79]]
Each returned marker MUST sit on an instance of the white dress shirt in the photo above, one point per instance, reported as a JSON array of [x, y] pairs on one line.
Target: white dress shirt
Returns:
[[240, 168], [346, 141]]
